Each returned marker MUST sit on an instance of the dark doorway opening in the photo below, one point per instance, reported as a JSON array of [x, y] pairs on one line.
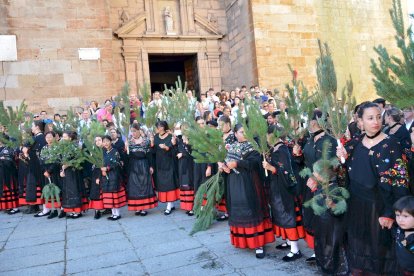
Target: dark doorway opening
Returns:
[[165, 69]]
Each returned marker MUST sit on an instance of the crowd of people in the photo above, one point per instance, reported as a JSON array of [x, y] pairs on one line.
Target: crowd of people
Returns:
[[374, 237]]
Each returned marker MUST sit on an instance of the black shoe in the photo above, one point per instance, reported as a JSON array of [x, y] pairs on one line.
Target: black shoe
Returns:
[[53, 214], [13, 211], [223, 217], [75, 215], [310, 260], [114, 217], [97, 214], [41, 214], [62, 214], [260, 254], [283, 246], [190, 213], [168, 212], [138, 213], [144, 213], [107, 212], [32, 209], [292, 256]]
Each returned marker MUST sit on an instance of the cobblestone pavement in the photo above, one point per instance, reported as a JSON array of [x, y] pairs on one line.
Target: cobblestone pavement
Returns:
[[151, 245]]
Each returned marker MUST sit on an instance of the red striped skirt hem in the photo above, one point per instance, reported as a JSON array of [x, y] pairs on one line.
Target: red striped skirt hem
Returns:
[[39, 201], [114, 199], [252, 237], [221, 206], [56, 205], [9, 200], [187, 200], [310, 240], [292, 234], [169, 196], [96, 204], [142, 204], [83, 207]]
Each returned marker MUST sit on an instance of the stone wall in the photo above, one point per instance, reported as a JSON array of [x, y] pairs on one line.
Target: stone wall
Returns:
[[286, 31], [48, 72]]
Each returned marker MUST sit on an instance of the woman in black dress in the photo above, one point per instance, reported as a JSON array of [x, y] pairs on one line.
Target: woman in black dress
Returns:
[[286, 215], [95, 189], [166, 176], [51, 174], [9, 196], [34, 182], [393, 119], [312, 152], [185, 175], [113, 192], [140, 191], [377, 178], [250, 225], [74, 197]]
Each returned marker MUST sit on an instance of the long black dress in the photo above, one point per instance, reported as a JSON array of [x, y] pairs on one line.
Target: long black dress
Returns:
[[95, 189], [140, 191], [166, 176], [73, 190], [250, 225], [9, 197], [113, 192], [312, 152], [378, 177], [185, 175], [286, 215], [35, 180], [53, 169]]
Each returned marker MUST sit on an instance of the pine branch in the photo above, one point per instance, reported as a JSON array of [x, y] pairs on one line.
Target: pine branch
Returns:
[[394, 76]]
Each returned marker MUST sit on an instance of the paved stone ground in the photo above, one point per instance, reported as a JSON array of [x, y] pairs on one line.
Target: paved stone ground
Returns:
[[151, 245]]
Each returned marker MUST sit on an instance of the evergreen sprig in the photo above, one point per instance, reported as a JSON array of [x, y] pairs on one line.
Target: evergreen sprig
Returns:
[[336, 113], [301, 106], [65, 153], [91, 152], [213, 190], [207, 144], [331, 196], [123, 118], [15, 126], [255, 127], [51, 192], [394, 76]]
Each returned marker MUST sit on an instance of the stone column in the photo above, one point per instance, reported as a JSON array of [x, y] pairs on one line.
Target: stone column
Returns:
[[213, 61]]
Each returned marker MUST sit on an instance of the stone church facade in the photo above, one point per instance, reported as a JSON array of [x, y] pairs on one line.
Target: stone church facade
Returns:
[[209, 43]]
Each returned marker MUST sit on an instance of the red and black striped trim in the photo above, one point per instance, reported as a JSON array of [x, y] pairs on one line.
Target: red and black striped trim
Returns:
[[142, 204]]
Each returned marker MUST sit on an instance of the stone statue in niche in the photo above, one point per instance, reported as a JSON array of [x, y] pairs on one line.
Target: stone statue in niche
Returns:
[[169, 22], [124, 17]]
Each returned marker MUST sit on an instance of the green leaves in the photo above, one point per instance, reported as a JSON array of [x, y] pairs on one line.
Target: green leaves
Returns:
[[65, 153], [123, 118], [330, 196], [394, 76], [255, 126], [51, 192], [212, 190], [207, 144]]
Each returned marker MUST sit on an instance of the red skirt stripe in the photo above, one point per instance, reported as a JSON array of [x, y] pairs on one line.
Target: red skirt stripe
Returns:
[[292, 234], [186, 200], [9, 200], [252, 237], [56, 205], [142, 204], [96, 204], [115, 199], [309, 239], [85, 203], [222, 207], [169, 196], [39, 201], [73, 210]]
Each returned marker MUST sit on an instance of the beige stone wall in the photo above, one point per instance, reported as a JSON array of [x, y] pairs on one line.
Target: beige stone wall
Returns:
[[48, 72], [286, 31]]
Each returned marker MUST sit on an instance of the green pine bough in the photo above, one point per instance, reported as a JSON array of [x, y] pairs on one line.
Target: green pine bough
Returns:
[[213, 190], [394, 75], [207, 147], [255, 128], [51, 192], [331, 197], [15, 126], [336, 112]]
